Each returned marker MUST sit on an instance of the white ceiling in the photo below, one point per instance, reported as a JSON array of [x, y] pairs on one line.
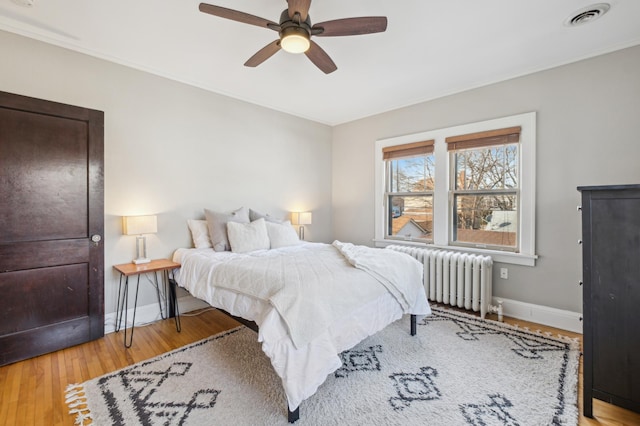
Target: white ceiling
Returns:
[[431, 48]]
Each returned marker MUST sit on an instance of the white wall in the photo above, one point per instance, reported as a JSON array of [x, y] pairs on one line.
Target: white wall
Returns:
[[588, 134], [172, 150]]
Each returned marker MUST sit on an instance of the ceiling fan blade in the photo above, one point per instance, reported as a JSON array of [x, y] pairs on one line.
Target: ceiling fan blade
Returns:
[[238, 16], [350, 26], [320, 58], [263, 54], [300, 6]]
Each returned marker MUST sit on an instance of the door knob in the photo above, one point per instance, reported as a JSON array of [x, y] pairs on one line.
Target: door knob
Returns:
[[95, 238]]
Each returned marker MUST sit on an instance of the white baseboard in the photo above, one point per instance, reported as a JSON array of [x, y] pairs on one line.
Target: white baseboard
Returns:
[[151, 313], [552, 317]]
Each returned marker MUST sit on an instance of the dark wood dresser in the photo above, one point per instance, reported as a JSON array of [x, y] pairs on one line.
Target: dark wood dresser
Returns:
[[611, 295]]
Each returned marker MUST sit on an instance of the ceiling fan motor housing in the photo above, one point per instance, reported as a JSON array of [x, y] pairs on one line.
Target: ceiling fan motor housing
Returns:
[[286, 22], [294, 31]]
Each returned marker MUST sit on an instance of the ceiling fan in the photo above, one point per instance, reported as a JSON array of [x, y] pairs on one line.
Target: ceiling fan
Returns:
[[295, 31]]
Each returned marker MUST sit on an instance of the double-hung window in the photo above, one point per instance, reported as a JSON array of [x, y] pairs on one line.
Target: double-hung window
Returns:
[[484, 189], [410, 183], [466, 188]]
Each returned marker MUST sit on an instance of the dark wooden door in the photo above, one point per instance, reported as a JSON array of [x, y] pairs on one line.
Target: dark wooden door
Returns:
[[51, 212]]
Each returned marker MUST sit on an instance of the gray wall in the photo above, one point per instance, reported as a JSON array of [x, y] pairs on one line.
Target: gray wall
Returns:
[[172, 149], [588, 128]]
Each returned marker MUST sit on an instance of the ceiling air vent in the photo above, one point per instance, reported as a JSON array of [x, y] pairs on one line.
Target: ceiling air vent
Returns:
[[587, 14]]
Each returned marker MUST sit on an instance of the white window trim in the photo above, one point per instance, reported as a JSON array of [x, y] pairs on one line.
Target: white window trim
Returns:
[[441, 218]]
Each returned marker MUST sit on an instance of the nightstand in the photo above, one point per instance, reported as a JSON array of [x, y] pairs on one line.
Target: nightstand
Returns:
[[167, 293]]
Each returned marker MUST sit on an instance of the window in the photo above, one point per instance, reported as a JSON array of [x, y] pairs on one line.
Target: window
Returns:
[[409, 172], [484, 189], [466, 188]]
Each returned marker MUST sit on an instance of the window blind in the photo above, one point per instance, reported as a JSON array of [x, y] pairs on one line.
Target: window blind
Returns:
[[408, 150], [481, 139]]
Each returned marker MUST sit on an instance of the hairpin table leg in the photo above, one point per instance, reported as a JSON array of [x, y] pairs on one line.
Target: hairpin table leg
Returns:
[[170, 298]]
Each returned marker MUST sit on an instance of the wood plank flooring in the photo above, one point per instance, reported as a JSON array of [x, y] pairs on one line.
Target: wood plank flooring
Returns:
[[32, 391]]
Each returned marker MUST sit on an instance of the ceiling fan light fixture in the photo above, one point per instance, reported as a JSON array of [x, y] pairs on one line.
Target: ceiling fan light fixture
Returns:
[[295, 40]]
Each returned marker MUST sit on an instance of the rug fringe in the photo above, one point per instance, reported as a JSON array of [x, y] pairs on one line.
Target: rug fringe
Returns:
[[76, 399]]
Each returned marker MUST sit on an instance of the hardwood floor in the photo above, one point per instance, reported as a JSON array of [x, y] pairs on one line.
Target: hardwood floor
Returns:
[[32, 391]]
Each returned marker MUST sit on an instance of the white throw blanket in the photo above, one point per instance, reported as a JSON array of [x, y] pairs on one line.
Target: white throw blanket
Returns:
[[400, 274], [312, 289]]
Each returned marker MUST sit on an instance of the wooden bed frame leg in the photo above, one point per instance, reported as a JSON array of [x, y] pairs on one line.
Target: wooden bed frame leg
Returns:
[[293, 415], [413, 325]]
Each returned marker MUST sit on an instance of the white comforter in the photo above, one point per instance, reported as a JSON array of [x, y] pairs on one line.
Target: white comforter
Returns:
[[308, 300]]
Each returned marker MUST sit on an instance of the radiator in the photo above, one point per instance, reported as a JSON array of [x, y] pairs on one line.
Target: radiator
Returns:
[[456, 279]]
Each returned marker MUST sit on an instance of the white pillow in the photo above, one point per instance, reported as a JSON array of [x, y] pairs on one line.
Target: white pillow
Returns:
[[246, 237], [217, 224], [199, 233], [282, 234]]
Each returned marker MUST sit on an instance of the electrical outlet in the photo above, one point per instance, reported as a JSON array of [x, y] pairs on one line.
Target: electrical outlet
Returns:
[[504, 273]]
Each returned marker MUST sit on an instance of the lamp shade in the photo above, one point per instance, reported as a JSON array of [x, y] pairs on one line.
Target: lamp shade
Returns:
[[301, 218], [138, 225]]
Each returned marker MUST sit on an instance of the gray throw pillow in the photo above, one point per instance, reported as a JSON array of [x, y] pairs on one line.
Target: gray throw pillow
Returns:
[[217, 223], [254, 215]]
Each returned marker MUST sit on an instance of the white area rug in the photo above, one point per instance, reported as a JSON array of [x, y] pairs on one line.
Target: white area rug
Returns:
[[458, 370]]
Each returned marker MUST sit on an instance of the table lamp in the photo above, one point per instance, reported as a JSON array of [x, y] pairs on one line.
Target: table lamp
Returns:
[[301, 219], [138, 226]]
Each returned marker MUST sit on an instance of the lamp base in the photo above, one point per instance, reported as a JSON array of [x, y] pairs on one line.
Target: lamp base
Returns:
[[141, 260]]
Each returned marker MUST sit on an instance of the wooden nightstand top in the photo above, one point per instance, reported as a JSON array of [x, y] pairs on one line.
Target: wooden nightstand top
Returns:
[[153, 266]]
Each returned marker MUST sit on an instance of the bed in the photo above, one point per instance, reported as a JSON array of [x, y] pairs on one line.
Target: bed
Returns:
[[310, 301]]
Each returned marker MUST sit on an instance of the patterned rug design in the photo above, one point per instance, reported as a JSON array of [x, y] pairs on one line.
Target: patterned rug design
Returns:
[[458, 370]]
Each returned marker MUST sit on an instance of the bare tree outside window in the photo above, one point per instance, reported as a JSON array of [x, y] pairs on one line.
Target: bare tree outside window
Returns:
[[485, 197]]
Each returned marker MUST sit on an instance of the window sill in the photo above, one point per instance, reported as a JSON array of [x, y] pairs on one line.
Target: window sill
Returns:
[[496, 255]]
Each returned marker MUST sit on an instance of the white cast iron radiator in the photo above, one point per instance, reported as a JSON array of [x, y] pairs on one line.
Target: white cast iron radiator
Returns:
[[457, 279]]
